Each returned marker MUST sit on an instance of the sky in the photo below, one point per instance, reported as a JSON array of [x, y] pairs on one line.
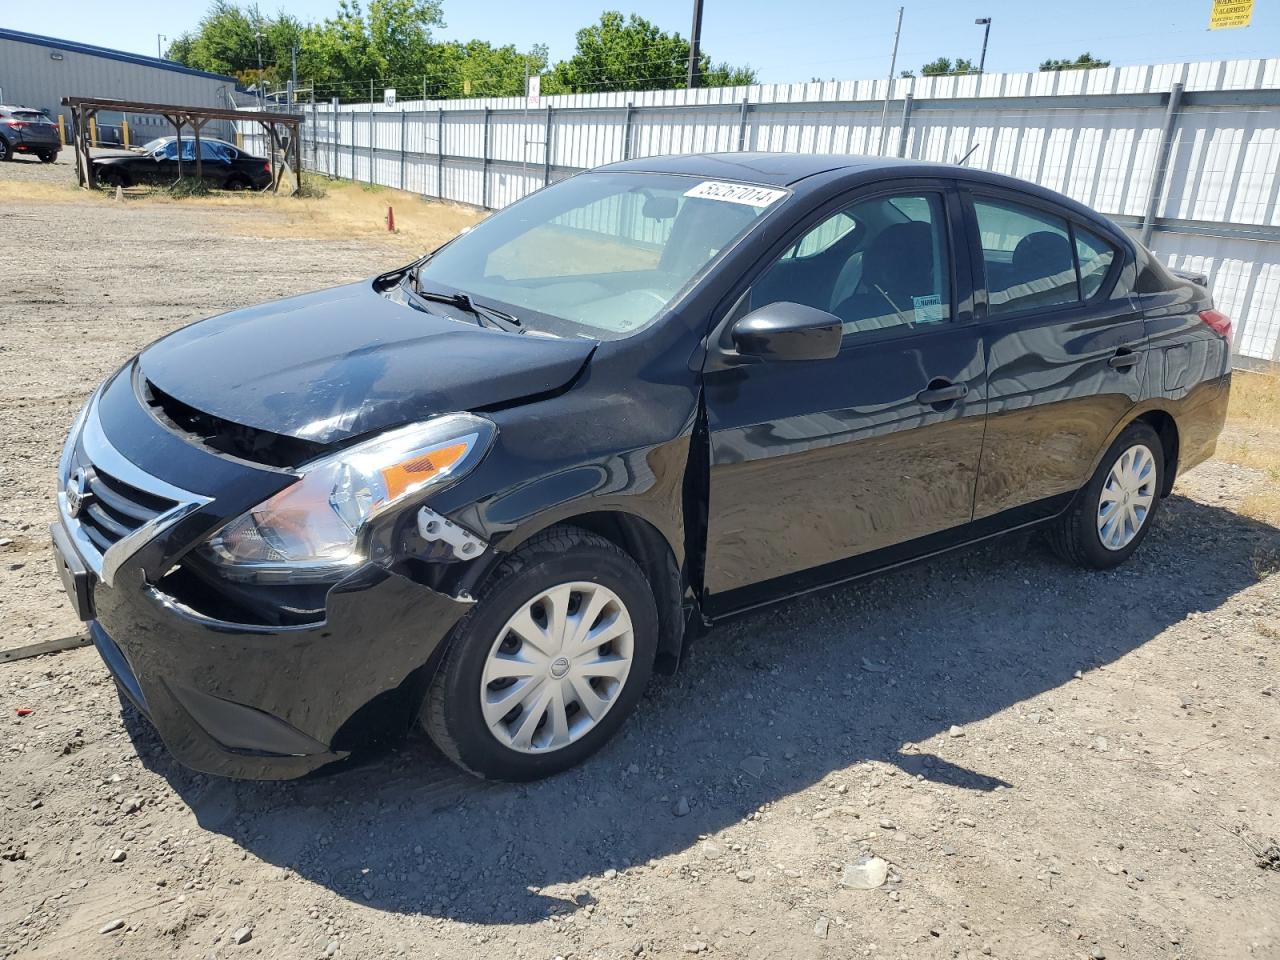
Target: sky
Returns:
[[792, 41]]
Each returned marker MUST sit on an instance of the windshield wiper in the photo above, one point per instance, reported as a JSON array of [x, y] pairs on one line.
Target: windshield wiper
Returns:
[[499, 319]]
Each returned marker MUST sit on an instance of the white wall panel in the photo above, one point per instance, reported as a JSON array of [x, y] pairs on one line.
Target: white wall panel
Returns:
[[1224, 166]]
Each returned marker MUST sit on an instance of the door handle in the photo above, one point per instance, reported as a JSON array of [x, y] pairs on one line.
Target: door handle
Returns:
[[942, 391], [1123, 360]]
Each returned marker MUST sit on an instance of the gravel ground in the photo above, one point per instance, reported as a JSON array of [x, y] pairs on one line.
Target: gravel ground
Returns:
[[1051, 763]]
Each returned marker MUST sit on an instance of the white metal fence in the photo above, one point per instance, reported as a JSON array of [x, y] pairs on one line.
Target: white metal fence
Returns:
[[1189, 153]]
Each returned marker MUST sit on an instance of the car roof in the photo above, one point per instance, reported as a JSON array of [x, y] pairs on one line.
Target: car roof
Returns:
[[171, 136], [793, 169], [775, 169]]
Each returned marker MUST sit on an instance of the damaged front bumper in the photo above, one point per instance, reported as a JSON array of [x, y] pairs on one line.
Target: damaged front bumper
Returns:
[[254, 685], [259, 702]]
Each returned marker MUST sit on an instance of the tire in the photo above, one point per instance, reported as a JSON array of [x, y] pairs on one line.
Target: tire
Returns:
[[110, 177], [1081, 536], [48, 156], [551, 562], [237, 183], [5, 152]]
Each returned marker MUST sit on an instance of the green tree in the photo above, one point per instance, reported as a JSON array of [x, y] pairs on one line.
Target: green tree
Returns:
[[1085, 61], [390, 43], [476, 68], [943, 67], [633, 54]]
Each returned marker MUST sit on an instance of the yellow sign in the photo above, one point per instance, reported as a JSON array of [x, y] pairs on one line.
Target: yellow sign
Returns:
[[1227, 14]]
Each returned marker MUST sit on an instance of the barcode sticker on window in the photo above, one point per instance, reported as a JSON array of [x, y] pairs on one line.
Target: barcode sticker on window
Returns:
[[752, 196], [928, 309]]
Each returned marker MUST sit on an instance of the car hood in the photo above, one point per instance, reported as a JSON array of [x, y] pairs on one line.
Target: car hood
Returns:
[[108, 154], [348, 361]]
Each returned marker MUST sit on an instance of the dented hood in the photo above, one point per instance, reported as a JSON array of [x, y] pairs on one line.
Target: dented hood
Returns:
[[349, 361]]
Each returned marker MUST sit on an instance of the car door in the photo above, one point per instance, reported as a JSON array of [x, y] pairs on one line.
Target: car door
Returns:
[[164, 166], [822, 468], [1066, 350]]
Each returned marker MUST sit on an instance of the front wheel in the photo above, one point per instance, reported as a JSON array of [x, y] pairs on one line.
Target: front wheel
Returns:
[[1113, 513], [5, 152], [48, 156], [550, 661]]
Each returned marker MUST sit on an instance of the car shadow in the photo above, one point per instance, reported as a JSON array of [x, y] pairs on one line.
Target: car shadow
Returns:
[[763, 707]]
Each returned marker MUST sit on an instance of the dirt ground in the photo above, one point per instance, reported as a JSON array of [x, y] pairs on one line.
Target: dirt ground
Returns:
[[1056, 764]]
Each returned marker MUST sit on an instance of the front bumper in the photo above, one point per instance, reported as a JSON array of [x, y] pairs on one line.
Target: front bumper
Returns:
[[233, 698], [266, 703]]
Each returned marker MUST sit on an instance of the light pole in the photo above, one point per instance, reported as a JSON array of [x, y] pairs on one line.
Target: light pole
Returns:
[[695, 45], [160, 38], [888, 89], [985, 23]]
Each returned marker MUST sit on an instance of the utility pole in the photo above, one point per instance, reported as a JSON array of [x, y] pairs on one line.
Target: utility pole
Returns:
[[888, 88], [257, 36], [985, 23], [160, 38], [695, 44]]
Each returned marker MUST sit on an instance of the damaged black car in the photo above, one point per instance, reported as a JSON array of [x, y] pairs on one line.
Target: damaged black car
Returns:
[[493, 491]]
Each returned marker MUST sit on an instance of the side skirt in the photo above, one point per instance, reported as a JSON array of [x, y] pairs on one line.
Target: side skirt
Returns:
[[864, 566]]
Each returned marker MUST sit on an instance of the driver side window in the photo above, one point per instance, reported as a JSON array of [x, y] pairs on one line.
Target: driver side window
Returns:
[[877, 264]]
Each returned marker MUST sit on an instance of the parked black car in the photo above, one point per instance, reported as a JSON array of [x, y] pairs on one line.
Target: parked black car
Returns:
[[30, 131], [222, 164], [497, 487]]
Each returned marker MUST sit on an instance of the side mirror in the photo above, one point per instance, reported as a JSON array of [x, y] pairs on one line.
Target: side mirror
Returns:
[[788, 331]]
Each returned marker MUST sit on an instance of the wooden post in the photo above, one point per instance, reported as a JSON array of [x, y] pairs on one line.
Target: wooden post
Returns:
[[195, 126], [91, 179]]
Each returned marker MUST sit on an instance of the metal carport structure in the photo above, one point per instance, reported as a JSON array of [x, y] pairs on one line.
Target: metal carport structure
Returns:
[[84, 108]]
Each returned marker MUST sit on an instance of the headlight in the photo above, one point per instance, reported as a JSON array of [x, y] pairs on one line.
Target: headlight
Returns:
[[311, 530]]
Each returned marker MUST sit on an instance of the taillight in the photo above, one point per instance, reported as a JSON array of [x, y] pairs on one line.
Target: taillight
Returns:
[[266, 167], [1218, 321], [17, 124]]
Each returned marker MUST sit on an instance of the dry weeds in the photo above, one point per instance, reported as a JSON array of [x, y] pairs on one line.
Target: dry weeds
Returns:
[[1252, 439], [346, 211]]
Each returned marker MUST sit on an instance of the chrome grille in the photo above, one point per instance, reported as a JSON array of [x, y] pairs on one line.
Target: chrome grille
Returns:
[[111, 507]]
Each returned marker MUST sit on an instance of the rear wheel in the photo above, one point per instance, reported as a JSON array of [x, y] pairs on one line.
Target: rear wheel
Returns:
[[1113, 513], [48, 156], [550, 661], [238, 183]]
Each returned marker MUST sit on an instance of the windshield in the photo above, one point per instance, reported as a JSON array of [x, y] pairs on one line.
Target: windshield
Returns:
[[600, 254], [153, 145], [31, 116]]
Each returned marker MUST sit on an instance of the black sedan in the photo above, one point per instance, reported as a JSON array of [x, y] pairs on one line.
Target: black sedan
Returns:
[[497, 488], [222, 165]]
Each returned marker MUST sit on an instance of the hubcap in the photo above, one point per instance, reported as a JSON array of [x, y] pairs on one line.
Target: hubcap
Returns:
[[557, 667], [1126, 498]]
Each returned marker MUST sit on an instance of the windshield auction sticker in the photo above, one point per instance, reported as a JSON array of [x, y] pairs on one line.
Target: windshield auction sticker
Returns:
[[736, 193]]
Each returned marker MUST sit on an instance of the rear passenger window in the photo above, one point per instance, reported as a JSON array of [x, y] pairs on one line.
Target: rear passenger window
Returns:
[[1095, 256], [1028, 257]]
